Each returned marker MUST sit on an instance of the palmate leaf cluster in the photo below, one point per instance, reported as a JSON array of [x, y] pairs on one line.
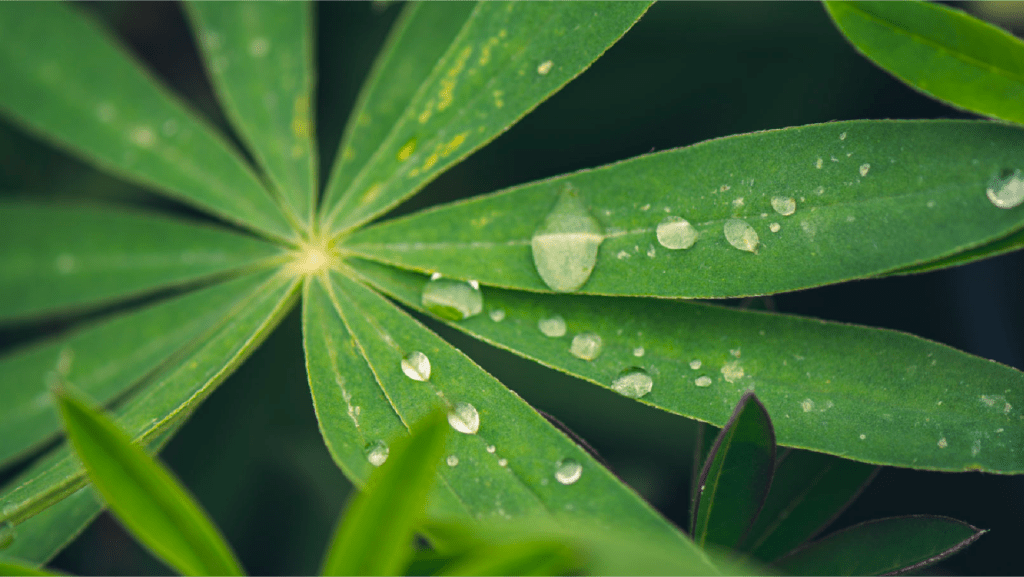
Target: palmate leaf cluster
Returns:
[[823, 203]]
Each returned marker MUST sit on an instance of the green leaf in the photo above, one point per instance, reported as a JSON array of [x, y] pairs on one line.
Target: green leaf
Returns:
[[9, 566], [418, 39], [168, 396], [809, 490], [513, 463], [872, 395], [735, 479], [375, 534], [883, 546], [889, 194], [508, 58], [144, 495], [1011, 243], [67, 80], [706, 436], [56, 258], [260, 59], [517, 558], [939, 51]]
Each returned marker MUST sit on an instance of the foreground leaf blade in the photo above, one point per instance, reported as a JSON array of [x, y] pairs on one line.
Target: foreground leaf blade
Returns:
[[260, 58], [375, 535], [872, 395], [10, 566], [883, 546], [809, 490], [144, 495], [876, 207], [521, 558], [57, 258], [939, 51], [66, 79], [735, 480], [507, 59]]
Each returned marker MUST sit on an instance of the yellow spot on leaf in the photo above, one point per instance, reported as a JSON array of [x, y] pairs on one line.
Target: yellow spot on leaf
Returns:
[[453, 144], [446, 96], [407, 149], [430, 161], [371, 194]]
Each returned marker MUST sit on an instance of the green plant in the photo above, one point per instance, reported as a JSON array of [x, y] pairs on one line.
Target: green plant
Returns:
[[768, 212]]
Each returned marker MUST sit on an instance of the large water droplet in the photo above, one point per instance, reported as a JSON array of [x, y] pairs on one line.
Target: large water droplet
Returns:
[[568, 472], [416, 366], [464, 418], [452, 299], [377, 452], [741, 235], [1006, 190], [565, 246], [676, 233], [703, 381], [784, 205], [552, 327], [586, 346], [633, 382]]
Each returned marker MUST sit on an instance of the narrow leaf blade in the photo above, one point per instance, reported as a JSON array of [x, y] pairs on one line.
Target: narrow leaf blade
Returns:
[[144, 495], [881, 547], [9, 566], [940, 51], [69, 81]]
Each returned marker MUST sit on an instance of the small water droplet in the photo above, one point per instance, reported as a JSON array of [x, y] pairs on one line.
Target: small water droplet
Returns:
[[259, 47], [703, 381], [732, 371], [735, 352], [497, 315], [741, 235], [1006, 190], [863, 436], [377, 452], [639, 352], [142, 136], [864, 168], [565, 246], [568, 472], [586, 346], [807, 405], [544, 67], [464, 418], [975, 447], [784, 205], [502, 462], [774, 227], [416, 366], [435, 276], [633, 382], [942, 443], [451, 299], [452, 460], [552, 327], [695, 364], [491, 448], [842, 136], [676, 233]]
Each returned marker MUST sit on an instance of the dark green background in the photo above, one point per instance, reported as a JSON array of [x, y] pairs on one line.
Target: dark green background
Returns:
[[687, 72]]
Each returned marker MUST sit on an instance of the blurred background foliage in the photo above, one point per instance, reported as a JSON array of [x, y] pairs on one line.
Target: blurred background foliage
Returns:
[[687, 72]]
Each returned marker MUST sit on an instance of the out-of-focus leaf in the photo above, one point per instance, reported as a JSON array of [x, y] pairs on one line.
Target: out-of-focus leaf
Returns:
[[706, 436], [517, 558], [9, 566]]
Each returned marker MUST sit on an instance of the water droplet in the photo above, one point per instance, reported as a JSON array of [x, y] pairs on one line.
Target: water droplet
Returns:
[[552, 327], [586, 346], [676, 233], [842, 136], [452, 460], [377, 453], [818, 163], [633, 382], [416, 366], [639, 352], [807, 405], [565, 246], [491, 448], [1006, 190], [735, 352], [66, 263], [497, 315], [502, 462], [864, 168], [435, 276], [464, 418], [6, 534], [544, 67], [741, 235], [451, 299], [568, 472], [774, 227], [784, 205], [704, 381], [738, 202], [942, 443], [259, 47], [142, 136], [975, 447], [863, 436], [732, 371], [695, 364]]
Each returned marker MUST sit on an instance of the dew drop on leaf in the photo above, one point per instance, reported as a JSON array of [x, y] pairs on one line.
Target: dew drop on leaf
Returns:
[[695, 364], [639, 352], [452, 299], [544, 67], [942, 443], [491, 448], [552, 326], [1006, 190], [633, 382], [565, 246], [568, 472], [741, 235], [784, 205], [502, 462], [676, 233], [452, 460], [586, 346], [732, 371], [464, 418], [416, 366], [377, 453], [864, 168], [497, 315], [774, 227], [703, 381]]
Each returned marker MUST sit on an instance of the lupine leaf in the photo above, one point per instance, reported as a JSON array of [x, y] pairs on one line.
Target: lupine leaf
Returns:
[[18, 567]]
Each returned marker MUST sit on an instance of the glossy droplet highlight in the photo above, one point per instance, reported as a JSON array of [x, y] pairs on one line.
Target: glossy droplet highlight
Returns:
[[552, 327], [451, 299], [452, 460], [704, 381], [741, 235], [497, 315], [784, 205], [565, 246], [633, 382], [586, 346], [695, 364], [377, 453], [568, 472], [464, 418], [774, 227], [544, 67], [1006, 190], [676, 233], [416, 366]]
